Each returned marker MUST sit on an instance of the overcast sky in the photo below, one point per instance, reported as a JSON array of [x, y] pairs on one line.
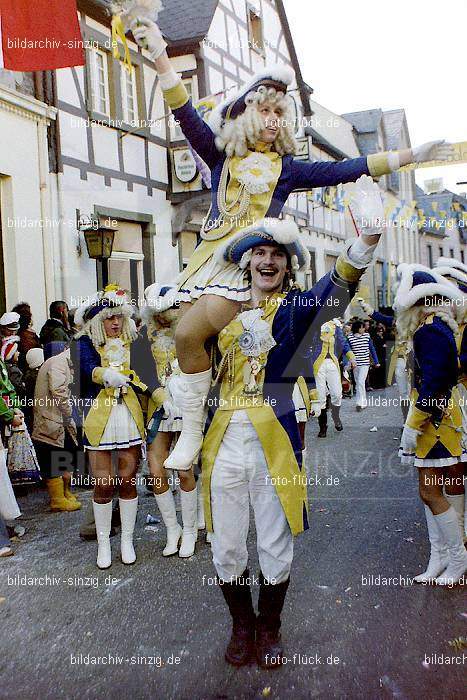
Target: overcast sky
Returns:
[[363, 54]]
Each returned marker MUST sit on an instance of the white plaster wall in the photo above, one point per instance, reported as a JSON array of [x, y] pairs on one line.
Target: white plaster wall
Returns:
[[80, 194], [73, 136], [21, 213], [133, 155], [66, 86], [105, 143]]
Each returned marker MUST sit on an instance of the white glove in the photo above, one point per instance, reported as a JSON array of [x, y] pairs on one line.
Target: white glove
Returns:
[[366, 307], [432, 150], [114, 379], [148, 35], [315, 409], [366, 206], [360, 254], [409, 440]]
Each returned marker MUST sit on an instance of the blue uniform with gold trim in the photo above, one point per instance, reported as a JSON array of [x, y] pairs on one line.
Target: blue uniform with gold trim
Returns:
[[294, 319], [283, 174], [435, 408]]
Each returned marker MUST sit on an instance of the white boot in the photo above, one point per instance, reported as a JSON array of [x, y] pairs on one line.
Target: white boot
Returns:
[[209, 536], [449, 528], [457, 502], [199, 491], [103, 520], [190, 529], [190, 395], [128, 512], [166, 503], [439, 558]]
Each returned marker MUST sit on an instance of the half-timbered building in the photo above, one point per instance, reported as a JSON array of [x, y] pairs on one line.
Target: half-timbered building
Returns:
[[117, 158], [121, 159]]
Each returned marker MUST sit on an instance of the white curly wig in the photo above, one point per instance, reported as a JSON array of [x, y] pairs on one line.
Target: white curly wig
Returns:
[[115, 302], [409, 320], [238, 135], [95, 327]]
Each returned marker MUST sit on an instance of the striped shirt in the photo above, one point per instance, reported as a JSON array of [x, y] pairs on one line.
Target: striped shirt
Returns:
[[362, 346]]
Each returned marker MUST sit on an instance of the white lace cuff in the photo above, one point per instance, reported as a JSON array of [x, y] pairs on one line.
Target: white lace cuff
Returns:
[[169, 79]]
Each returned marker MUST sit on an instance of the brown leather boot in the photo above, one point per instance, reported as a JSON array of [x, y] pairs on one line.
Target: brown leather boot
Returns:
[[323, 423], [240, 649], [269, 649], [335, 411]]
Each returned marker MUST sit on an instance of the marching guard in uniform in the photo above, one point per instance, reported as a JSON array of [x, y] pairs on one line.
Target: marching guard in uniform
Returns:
[[252, 451], [161, 314], [249, 146], [400, 356], [425, 307], [105, 354], [326, 351], [456, 272]]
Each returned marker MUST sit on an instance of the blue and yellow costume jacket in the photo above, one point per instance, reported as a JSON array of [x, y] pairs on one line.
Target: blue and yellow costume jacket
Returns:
[[97, 401], [462, 348], [434, 406], [285, 174], [331, 343], [293, 319]]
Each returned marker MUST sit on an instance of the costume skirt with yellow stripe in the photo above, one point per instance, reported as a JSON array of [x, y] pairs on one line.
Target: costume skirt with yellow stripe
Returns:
[[120, 432], [227, 281]]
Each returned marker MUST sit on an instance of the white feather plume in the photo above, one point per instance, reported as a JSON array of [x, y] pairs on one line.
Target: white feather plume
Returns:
[[132, 9], [451, 262], [408, 294]]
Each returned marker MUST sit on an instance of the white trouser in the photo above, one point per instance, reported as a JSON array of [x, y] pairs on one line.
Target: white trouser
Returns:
[[360, 374], [298, 402], [240, 475], [327, 378], [402, 378]]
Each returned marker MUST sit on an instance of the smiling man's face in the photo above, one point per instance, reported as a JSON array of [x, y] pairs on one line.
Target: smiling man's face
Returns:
[[268, 267], [272, 117]]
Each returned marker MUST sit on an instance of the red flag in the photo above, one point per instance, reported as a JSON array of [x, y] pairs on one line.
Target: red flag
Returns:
[[40, 35]]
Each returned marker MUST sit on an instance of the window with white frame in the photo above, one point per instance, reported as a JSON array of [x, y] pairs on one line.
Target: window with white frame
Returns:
[[99, 82], [129, 94]]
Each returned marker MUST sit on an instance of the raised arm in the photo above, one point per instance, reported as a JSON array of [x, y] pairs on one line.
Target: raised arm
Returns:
[[306, 175], [195, 129], [331, 296], [387, 321]]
